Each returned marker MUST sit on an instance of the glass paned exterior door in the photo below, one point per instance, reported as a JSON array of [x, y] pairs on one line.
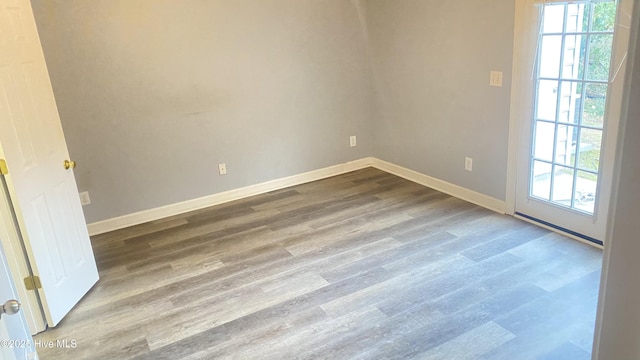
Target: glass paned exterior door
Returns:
[[569, 69], [571, 87]]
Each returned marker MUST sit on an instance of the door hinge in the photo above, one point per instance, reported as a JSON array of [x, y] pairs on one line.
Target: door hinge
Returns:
[[4, 170], [32, 282]]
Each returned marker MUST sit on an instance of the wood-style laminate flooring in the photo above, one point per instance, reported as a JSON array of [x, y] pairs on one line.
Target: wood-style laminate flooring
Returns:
[[363, 265]]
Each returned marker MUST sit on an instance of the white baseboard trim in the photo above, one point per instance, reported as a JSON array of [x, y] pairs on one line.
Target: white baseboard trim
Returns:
[[141, 217], [460, 192]]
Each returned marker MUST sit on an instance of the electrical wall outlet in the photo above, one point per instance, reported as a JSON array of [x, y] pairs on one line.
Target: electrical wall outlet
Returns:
[[468, 164], [222, 168], [352, 141], [84, 198]]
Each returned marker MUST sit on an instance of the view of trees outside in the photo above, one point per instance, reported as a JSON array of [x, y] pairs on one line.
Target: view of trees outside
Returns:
[[598, 63]]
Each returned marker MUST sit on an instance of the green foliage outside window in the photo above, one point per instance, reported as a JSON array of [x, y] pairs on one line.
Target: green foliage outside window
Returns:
[[598, 68]]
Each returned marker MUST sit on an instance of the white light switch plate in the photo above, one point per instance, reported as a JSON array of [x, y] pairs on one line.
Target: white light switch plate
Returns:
[[495, 78], [468, 164]]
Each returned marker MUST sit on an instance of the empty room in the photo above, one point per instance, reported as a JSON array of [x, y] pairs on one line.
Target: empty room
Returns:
[[319, 179]]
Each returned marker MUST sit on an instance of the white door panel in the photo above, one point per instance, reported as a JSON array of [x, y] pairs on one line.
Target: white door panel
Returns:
[[43, 192]]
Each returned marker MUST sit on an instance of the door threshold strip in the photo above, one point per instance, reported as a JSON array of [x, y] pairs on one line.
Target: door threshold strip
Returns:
[[565, 230]]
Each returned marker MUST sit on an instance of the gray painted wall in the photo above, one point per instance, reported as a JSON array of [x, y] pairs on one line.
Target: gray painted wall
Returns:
[[153, 94], [433, 104], [618, 323]]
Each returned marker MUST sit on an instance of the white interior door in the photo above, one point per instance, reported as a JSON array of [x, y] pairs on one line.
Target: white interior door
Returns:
[[15, 339], [43, 192], [572, 107]]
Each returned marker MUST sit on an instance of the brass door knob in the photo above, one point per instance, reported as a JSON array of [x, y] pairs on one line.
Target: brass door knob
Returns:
[[68, 164]]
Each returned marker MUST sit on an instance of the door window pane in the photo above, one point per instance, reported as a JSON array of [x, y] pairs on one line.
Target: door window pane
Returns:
[[551, 49], [594, 105], [599, 56], [570, 95], [585, 196], [547, 99], [589, 149], [562, 185], [543, 145], [553, 19], [575, 49], [565, 144], [578, 17], [541, 180], [604, 16]]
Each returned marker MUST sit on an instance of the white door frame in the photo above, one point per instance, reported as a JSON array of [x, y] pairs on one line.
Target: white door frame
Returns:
[[519, 67], [521, 91], [17, 261]]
